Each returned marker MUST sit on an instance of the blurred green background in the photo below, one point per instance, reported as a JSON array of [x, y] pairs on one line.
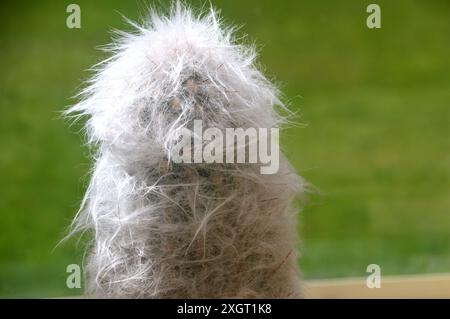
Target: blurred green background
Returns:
[[376, 141]]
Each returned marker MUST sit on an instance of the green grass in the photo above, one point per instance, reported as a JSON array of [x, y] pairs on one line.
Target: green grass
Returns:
[[376, 104]]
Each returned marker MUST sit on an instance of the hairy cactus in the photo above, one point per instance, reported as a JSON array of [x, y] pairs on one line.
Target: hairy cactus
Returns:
[[163, 229]]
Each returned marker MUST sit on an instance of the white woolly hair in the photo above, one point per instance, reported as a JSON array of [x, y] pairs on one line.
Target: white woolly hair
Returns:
[[167, 230]]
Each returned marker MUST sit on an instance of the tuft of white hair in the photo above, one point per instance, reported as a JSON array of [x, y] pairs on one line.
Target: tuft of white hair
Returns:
[[167, 230]]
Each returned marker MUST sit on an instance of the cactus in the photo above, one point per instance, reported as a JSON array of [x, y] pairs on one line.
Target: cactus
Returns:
[[162, 229]]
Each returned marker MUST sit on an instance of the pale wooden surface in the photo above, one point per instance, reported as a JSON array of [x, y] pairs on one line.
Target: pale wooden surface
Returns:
[[420, 286], [416, 286]]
